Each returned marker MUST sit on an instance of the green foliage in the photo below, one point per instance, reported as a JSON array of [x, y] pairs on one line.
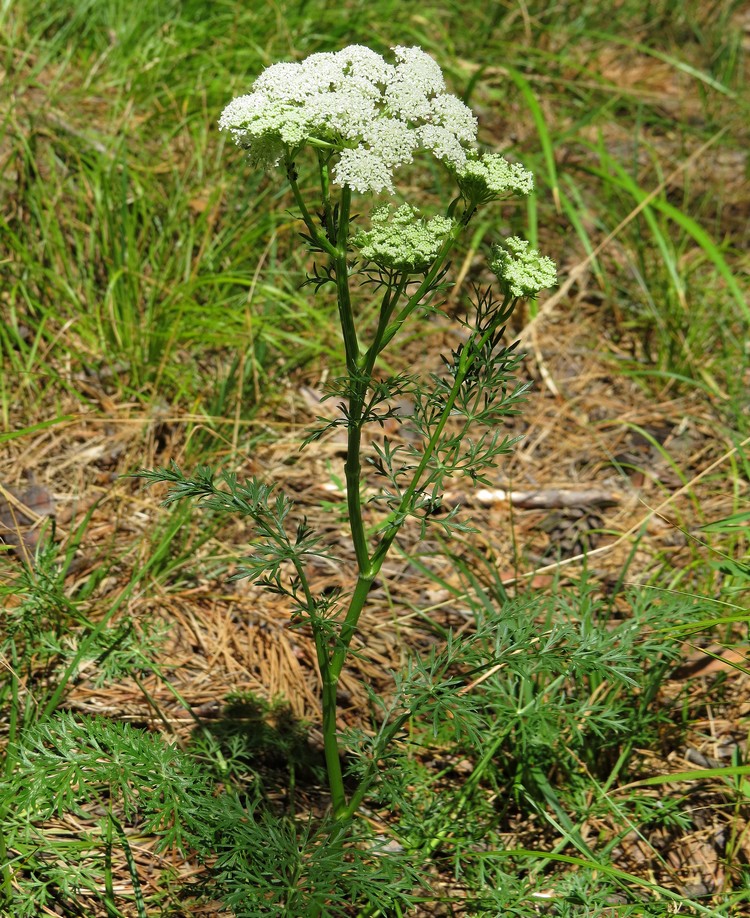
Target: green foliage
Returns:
[[49, 639], [546, 697], [102, 772], [562, 697], [66, 764], [53, 765], [560, 692], [271, 865]]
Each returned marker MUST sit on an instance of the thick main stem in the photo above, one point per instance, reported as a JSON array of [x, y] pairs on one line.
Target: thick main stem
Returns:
[[330, 742], [357, 387], [346, 316], [338, 251], [331, 747], [359, 368], [364, 583]]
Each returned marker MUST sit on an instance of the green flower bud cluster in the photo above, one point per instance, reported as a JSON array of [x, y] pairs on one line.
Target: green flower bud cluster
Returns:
[[491, 176], [521, 270], [403, 240]]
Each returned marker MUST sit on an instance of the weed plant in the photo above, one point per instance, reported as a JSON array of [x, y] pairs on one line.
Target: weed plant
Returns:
[[363, 119], [531, 717]]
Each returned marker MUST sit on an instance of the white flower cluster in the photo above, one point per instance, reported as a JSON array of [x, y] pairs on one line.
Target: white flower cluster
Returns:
[[522, 270], [375, 114], [491, 176], [403, 240]]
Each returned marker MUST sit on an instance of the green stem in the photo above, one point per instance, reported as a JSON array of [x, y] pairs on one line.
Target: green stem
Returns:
[[415, 298], [330, 731], [338, 255], [331, 668], [325, 190], [368, 573], [356, 604], [349, 625], [366, 577], [359, 369], [357, 388], [312, 229], [390, 301], [353, 472], [358, 395], [331, 747], [400, 513], [343, 297], [353, 467]]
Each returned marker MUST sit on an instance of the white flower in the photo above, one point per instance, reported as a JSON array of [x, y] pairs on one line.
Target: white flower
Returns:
[[492, 176], [521, 270], [403, 240], [407, 101], [264, 144], [374, 114], [286, 82], [443, 144], [362, 170], [419, 69], [342, 113], [451, 113], [364, 63], [417, 78], [393, 140]]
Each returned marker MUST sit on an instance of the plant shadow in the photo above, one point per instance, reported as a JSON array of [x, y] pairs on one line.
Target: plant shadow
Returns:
[[268, 739]]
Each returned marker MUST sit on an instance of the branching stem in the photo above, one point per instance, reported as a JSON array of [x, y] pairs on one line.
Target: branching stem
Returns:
[[360, 367]]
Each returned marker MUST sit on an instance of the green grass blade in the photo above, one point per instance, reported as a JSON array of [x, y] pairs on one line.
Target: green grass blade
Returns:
[[545, 137], [615, 174], [608, 871]]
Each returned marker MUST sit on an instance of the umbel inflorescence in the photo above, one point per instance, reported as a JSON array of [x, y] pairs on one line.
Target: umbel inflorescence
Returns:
[[363, 118], [402, 240], [374, 116]]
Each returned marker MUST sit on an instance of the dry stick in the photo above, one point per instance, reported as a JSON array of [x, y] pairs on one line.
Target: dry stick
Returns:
[[655, 511], [652, 511], [541, 498], [549, 304]]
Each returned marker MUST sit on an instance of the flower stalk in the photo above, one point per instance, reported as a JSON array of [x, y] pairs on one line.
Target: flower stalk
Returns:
[[363, 118]]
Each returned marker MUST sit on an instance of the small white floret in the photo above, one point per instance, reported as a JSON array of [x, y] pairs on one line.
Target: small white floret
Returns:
[[363, 171]]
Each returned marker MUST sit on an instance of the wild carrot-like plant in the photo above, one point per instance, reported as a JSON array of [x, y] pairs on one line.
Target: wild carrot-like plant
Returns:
[[362, 119]]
